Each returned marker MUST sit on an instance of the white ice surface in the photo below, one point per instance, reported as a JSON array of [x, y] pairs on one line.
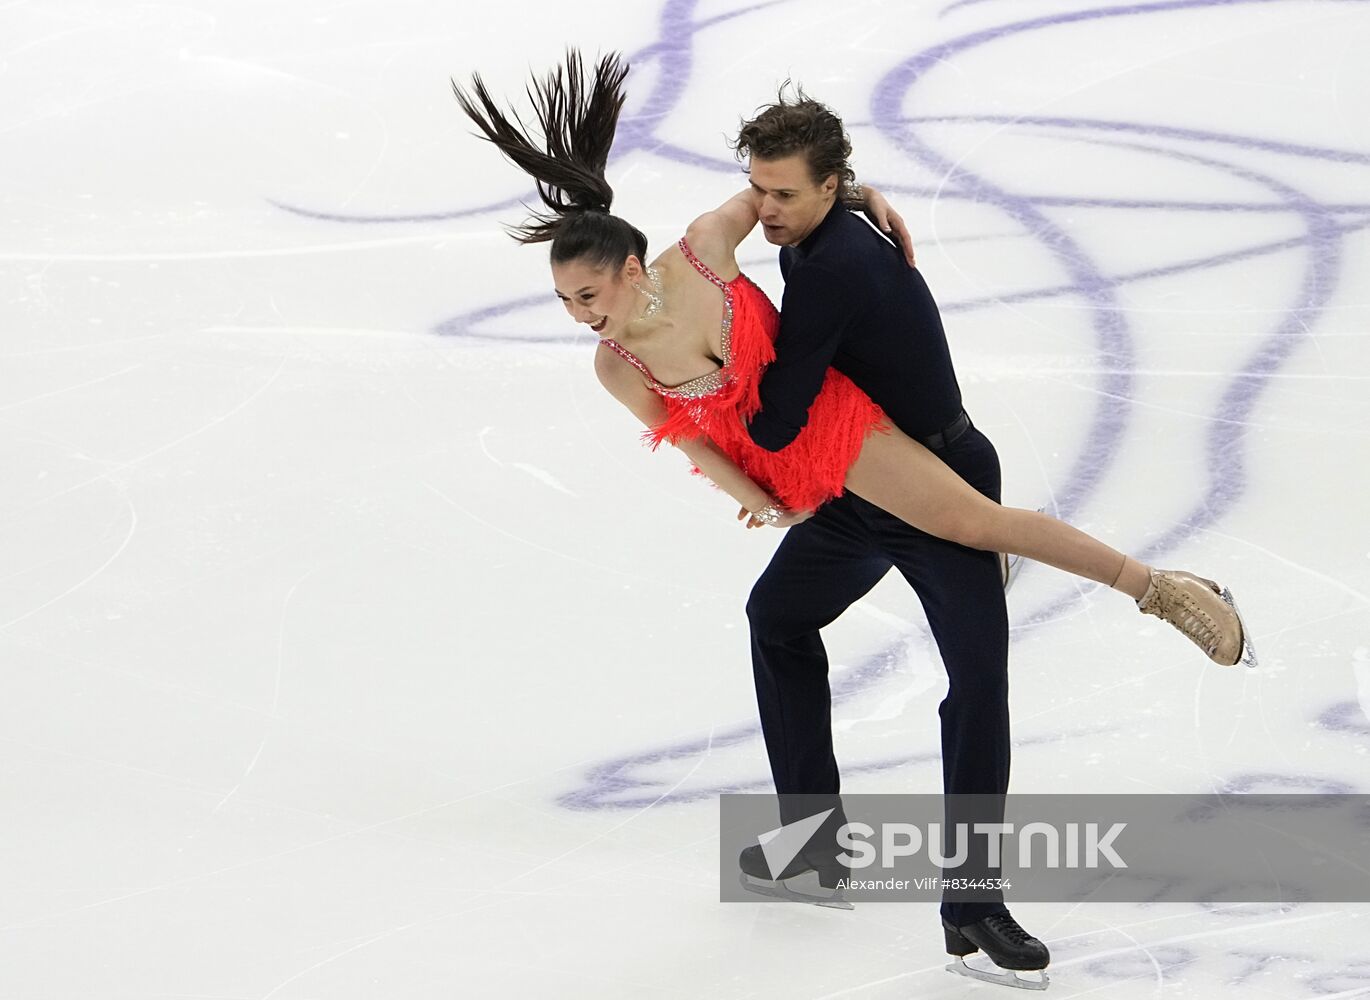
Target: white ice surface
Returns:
[[331, 581]]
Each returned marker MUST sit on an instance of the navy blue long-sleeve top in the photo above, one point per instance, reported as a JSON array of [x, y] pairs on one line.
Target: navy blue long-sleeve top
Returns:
[[851, 301]]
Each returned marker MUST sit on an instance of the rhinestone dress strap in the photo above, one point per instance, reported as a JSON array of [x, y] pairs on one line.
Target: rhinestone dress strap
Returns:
[[726, 334], [695, 388], [632, 359], [700, 266]]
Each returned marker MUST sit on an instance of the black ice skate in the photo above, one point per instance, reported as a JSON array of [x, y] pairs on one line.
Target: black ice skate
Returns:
[[1008, 946], [803, 880]]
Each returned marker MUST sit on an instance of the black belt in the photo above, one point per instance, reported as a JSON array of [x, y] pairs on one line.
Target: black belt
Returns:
[[948, 434]]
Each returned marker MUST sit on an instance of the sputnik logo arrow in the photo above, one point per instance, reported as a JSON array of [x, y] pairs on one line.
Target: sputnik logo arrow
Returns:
[[782, 844]]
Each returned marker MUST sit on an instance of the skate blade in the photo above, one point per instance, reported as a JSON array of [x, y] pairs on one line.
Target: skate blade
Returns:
[[1010, 566], [1001, 978], [800, 889], [1248, 648]]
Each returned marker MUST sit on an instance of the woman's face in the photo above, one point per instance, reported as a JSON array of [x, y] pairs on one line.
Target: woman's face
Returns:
[[602, 298]]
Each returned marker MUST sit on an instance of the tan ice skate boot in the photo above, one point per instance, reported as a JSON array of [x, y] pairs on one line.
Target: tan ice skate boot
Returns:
[[1204, 612]]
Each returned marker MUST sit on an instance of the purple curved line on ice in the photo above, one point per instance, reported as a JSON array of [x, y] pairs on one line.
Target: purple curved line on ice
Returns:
[[1225, 458], [1165, 131], [614, 777], [1112, 339], [1163, 271]]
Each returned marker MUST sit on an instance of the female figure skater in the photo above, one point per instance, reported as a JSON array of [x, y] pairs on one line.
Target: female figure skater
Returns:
[[686, 338]]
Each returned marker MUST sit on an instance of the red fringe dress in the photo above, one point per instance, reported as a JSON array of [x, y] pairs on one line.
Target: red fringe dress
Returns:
[[810, 470]]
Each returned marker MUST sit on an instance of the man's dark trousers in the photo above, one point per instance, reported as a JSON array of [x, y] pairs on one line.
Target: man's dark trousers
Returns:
[[826, 564]]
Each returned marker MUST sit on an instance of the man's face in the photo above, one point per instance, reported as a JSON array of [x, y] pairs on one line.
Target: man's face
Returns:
[[788, 202]]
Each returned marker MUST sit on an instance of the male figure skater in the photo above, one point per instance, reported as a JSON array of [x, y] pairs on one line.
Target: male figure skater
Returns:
[[852, 301]]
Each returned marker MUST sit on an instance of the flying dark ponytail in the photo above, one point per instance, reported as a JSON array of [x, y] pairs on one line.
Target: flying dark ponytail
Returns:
[[577, 118]]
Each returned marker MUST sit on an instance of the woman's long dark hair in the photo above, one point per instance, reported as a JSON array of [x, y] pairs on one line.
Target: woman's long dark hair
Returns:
[[577, 118]]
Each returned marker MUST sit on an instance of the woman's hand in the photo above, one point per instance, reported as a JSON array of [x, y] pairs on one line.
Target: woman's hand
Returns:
[[783, 519], [888, 221]]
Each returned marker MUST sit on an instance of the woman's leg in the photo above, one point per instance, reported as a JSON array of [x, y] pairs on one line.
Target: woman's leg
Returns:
[[901, 476]]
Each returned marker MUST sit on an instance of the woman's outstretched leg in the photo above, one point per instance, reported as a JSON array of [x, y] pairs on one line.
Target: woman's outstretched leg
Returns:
[[899, 475]]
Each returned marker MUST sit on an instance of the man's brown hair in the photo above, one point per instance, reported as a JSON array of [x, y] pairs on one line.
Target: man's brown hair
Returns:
[[799, 124]]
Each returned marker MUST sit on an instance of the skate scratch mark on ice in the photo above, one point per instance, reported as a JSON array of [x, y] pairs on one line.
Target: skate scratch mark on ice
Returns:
[[542, 476], [579, 560], [41, 40], [130, 463], [1095, 956], [1131, 680], [480, 440], [1308, 570], [181, 784], [342, 954], [1054, 504], [94, 346], [873, 983], [1239, 928], [1159, 407], [367, 942], [70, 388], [132, 528], [1234, 721], [272, 712], [234, 790], [1166, 919], [1306, 623]]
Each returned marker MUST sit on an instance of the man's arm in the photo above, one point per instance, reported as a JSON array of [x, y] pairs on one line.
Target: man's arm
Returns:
[[814, 315], [715, 236]]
